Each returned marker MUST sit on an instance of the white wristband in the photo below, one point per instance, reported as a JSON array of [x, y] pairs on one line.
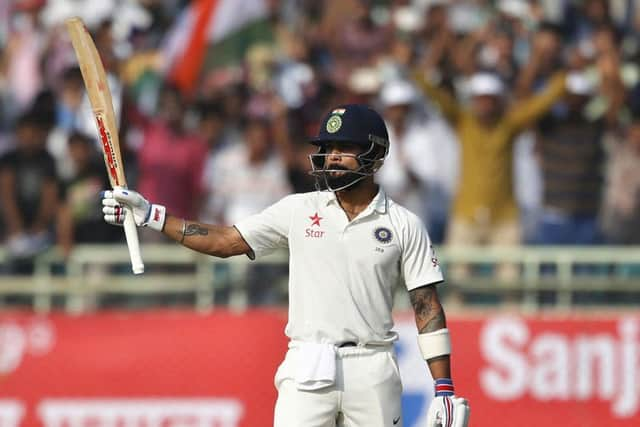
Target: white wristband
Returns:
[[434, 344], [156, 218]]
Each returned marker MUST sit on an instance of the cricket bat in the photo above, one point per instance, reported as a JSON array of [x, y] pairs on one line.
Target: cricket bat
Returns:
[[95, 81]]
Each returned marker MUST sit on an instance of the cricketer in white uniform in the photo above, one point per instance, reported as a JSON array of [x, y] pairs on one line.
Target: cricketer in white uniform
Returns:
[[349, 246]]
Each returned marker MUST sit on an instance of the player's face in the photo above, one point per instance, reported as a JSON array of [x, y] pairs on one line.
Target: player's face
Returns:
[[340, 166], [342, 156]]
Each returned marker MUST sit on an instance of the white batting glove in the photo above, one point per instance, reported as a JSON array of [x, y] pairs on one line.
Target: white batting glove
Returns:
[[447, 410], [118, 203]]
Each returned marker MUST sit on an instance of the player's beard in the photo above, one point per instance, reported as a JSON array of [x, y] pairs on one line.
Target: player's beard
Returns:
[[344, 179]]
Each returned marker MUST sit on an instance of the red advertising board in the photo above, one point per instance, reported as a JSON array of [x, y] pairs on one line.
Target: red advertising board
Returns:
[[166, 368], [164, 365], [531, 372]]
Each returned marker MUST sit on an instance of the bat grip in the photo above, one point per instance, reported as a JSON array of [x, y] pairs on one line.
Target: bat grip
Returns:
[[131, 233]]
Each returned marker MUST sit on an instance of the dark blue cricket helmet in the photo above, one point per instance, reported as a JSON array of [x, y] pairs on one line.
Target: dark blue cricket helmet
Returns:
[[357, 124]]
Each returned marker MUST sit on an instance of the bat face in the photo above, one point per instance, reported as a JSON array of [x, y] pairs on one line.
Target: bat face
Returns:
[[97, 86], [110, 157], [95, 80]]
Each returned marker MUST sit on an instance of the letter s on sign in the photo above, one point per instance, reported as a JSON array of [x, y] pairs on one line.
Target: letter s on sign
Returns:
[[503, 341]]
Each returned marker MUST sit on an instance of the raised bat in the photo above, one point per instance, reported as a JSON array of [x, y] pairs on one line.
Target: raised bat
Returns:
[[95, 81]]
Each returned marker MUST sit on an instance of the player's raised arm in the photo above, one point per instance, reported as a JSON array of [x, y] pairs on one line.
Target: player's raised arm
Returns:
[[219, 241]]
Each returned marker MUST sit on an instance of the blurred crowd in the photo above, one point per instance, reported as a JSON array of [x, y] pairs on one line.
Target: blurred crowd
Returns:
[[511, 121]]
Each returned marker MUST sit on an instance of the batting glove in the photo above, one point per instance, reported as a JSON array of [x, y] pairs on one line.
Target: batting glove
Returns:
[[120, 202], [446, 409]]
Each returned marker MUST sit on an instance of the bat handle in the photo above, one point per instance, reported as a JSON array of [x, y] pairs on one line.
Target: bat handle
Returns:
[[131, 233]]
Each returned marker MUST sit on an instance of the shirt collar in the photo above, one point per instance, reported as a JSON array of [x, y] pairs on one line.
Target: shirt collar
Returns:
[[378, 204]]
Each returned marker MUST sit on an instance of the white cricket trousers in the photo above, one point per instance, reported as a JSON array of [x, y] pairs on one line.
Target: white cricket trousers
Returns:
[[366, 393]]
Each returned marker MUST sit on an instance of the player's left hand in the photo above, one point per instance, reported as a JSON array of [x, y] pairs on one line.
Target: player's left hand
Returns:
[[448, 411]]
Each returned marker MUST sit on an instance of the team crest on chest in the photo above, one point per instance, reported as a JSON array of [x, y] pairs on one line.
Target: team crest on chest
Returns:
[[383, 234]]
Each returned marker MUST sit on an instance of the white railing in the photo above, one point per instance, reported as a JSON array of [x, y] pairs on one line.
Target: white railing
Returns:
[[95, 270]]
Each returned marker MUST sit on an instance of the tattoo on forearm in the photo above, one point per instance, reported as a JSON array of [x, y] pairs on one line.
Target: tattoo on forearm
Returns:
[[193, 229], [422, 302], [428, 311], [438, 321]]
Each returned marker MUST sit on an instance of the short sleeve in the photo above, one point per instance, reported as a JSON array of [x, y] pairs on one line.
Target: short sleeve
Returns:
[[268, 230], [420, 265]]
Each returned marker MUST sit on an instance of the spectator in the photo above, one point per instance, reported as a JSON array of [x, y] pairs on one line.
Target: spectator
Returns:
[[79, 216], [69, 100], [5, 104], [23, 50], [245, 177], [288, 133], [544, 60], [322, 54], [298, 167], [433, 47], [28, 193], [170, 159], [420, 170], [484, 208], [571, 155], [582, 19], [359, 40], [621, 201], [490, 48], [211, 126]]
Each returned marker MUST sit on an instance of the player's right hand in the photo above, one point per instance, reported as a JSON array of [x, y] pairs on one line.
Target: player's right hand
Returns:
[[120, 202], [448, 411]]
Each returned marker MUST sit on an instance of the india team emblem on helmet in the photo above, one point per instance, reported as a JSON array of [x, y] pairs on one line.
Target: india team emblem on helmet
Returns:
[[359, 125], [333, 124], [383, 234]]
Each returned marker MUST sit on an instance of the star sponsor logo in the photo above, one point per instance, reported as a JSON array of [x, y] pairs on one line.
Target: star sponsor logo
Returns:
[[314, 232], [315, 219]]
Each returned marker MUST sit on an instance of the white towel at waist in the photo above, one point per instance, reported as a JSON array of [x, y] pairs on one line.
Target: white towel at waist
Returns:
[[315, 365]]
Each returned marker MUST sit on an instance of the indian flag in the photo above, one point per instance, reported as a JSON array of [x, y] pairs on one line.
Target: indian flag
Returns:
[[210, 33], [339, 111]]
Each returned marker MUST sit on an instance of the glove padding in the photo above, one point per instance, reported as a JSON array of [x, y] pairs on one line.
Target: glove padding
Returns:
[[448, 411], [117, 204]]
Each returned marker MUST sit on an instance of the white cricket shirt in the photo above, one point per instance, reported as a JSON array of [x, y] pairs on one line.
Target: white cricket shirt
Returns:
[[342, 274]]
